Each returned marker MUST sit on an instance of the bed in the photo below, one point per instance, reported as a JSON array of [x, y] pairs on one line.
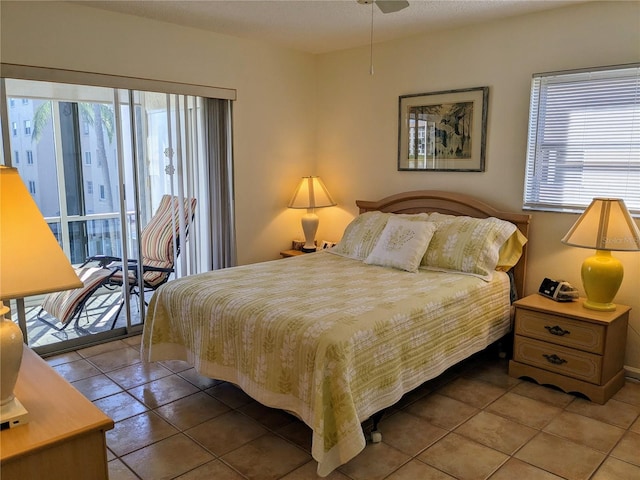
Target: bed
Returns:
[[419, 282]]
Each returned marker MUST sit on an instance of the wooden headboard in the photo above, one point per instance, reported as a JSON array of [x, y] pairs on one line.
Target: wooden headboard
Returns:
[[422, 201]]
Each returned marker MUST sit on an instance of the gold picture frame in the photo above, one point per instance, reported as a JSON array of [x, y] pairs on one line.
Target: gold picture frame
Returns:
[[443, 131]]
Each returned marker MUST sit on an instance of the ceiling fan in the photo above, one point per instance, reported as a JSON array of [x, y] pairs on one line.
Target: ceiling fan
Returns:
[[387, 6]]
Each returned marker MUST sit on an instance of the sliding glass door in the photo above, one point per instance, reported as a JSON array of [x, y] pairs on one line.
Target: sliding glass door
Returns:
[[100, 162]]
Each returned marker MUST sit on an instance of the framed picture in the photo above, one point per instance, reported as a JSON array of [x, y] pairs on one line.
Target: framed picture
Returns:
[[443, 131]]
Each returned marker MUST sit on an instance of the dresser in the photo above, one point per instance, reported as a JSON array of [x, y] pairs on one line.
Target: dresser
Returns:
[[65, 436], [569, 346]]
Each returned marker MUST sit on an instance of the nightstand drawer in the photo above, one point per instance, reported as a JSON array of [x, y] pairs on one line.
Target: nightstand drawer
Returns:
[[559, 330], [554, 358]]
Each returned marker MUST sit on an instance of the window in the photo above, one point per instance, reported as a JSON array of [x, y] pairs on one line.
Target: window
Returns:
[[27, 127], [103, 194], [29, 157], [87, 158], [584, 139], [32, 187], [25, 101], [12, 102], [16, 157], [89, 187], [85, 127], [14, 128]]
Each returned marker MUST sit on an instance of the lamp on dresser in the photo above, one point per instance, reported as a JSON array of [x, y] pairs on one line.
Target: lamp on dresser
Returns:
[[606, 225], [31, 263], [310, 194]]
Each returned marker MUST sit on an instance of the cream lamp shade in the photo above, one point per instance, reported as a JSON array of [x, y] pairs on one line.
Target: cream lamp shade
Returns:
[[31, 263], [310, 194], [606, 225]]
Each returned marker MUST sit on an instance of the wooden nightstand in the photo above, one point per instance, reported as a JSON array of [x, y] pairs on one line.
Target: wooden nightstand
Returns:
[[291, 253], [569, 346]]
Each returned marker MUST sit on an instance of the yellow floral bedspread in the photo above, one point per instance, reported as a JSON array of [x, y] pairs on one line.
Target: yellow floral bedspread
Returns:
[[329, 338]]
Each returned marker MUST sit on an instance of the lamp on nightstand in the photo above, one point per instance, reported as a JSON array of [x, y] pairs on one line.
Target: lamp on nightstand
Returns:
[[31, 263], [606, 226], [310, 194]]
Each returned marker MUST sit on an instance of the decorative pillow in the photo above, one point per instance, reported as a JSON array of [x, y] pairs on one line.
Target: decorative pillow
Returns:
[[511, 251], [468, 245], [361, 235], [402, 244]]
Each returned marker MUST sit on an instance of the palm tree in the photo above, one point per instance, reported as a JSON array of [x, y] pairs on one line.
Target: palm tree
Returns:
[[98, 115]]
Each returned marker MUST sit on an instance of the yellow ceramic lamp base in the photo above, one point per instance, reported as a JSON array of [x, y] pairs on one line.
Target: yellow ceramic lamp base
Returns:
[[601, 278]]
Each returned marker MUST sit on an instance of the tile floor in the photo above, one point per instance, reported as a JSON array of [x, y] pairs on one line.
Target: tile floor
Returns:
[[473, 422]]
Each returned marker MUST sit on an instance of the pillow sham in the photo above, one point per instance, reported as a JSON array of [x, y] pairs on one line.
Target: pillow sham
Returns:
[[511, 251], [402, 244], [467, 245], [361, 235], [363, 232]]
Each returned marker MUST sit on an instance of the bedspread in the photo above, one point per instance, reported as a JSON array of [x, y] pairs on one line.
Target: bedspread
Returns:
[[328, 338]]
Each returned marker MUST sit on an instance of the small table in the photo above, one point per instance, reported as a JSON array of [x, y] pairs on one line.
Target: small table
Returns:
[[291, 253], [65, 436], [570, 346]]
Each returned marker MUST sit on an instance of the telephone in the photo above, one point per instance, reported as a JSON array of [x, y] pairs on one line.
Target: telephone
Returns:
[[558, 290]]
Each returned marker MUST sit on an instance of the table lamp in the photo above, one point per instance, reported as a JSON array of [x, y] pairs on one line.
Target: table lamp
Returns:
[[606, 226], [31, 263], [310, 194]]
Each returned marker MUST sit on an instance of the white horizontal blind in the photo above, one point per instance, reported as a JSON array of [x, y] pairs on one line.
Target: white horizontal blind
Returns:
[[584, 139]]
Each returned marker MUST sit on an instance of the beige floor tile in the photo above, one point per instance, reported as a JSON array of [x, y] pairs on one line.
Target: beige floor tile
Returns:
[[585, 431], [299, 433], [463, 458], [543, 393], [76, 370], [614, 469], [408, 433], [517, 469], [628, 449], [630, 393], [496, 432], [120, 406], [527, 411], [162, 391], [495, 373], [417, 470], [138, 374], [375, 462], [442, 411], [271, 418], [167, 458], [115, 359], [308, 471], [229, 394], [193, 410], [119, 471], [138, 432], [214, 470], [226, 432], [63, 358], [134, 341], [613, 412], [198, 380], [471, 391], [176, 366], [97, 387], [102, 348], [560, 456], [266, 458], [635, 427]]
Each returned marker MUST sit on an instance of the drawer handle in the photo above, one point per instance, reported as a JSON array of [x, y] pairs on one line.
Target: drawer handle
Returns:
[[556, 360], [557, 330]]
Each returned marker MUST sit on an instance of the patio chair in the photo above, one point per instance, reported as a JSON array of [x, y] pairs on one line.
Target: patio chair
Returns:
[[157, 257]]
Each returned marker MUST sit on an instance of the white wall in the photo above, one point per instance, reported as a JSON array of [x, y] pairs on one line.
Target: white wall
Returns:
[[357, 124], [351, 138], [274, 115]]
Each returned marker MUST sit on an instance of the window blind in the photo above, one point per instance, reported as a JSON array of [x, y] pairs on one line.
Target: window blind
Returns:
[[583, 139]]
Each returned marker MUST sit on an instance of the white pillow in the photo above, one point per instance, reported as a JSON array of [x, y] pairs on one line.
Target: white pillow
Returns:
[[402, 244]]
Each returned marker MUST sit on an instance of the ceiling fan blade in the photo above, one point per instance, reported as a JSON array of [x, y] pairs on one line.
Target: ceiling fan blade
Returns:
[[390, 6]]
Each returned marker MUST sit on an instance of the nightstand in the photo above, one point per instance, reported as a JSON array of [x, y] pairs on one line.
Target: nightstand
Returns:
[[291, 253], [569, 346]]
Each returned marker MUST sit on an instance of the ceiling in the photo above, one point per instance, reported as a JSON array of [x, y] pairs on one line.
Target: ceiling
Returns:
[[320, 26]]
